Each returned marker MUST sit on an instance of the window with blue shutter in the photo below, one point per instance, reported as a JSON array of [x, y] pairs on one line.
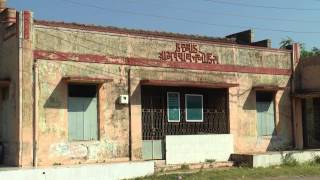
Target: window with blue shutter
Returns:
[[194, 107], [82, 112], [265, 113], [173, 106]]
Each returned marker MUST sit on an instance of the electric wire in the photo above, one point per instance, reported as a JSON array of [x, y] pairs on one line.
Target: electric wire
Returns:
[[189, 20], [261, 6], [251, 16]]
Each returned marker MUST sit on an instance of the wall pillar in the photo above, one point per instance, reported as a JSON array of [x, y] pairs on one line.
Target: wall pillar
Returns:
[[233, 115], [26, 92], [136, 124], [297, 120]]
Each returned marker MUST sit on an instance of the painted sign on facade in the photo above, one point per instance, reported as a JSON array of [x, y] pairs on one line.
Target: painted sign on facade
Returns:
[[190, 53]]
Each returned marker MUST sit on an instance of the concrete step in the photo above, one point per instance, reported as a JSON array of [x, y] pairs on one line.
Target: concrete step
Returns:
[[160, 162], [162, 167], [273, 158]]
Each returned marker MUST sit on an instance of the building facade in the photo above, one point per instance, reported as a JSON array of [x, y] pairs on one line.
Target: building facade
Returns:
[[307, 98], [74, 94]]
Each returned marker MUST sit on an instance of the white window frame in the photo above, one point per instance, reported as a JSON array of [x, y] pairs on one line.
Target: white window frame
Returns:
[[186, 107], [168, 106]]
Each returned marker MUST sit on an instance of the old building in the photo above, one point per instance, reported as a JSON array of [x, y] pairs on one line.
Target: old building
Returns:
[[73, 93], [307, 98]]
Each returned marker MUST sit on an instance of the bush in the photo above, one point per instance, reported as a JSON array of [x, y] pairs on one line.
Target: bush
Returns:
[[57, 164], [210, 160], [185, 167], [289, 160], [315, 160]]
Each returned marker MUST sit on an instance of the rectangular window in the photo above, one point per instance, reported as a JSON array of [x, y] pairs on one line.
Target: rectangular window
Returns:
[[82, 112], [194, 107], [265, 113], [173, 106]]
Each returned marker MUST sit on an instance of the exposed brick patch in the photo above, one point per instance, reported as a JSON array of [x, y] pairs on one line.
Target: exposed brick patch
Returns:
[[26, 24], [187, 84], [296, 52]]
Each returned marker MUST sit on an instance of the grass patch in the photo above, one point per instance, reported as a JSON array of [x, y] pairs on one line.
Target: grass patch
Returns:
[[306, 169]]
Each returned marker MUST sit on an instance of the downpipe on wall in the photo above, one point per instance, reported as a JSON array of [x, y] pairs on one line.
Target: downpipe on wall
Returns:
[[129, 114], [20, 46], [35, 115]]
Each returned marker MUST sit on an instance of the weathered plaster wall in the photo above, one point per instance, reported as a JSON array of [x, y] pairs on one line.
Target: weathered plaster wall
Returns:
[[115, 45], [245, 122], [114, 141], [27, 96], [307, 86], [9, 127], [308, 71], [16, 64], [241, 105], [53, 145]]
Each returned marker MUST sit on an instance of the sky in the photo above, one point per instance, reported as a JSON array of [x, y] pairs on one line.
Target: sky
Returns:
[[272, 19]]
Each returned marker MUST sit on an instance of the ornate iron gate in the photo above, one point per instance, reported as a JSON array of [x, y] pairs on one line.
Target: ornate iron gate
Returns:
[[152, 126], [155, 125]]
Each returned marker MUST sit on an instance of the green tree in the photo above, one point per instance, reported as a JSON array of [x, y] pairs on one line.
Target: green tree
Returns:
[[315, 51], [287, 44]]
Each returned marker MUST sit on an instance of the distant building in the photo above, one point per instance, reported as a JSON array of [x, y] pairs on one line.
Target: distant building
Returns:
[[73, 93], [307, 95]]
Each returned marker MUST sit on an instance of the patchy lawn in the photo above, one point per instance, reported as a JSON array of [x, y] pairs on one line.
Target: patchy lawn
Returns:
[[310, 169]]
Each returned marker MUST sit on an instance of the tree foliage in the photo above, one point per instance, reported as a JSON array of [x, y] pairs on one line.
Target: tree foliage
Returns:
[[287, 43]]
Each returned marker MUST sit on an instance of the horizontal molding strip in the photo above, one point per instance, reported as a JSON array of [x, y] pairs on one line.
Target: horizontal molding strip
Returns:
[[93, 58]]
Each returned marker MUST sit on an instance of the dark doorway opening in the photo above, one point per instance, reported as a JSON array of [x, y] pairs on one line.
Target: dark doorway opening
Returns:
[[4, 108], [311, 122]]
